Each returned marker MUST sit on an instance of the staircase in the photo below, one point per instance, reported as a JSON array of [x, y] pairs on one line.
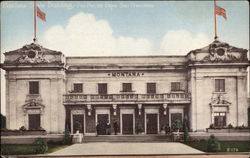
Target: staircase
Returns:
[[128, 138]]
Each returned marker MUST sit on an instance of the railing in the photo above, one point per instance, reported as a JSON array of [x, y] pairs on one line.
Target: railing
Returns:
[[126, 97]]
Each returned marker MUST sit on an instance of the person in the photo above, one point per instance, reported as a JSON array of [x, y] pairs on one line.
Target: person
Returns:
[[115, 126], [167, 129], [97, 128], [108, 129]]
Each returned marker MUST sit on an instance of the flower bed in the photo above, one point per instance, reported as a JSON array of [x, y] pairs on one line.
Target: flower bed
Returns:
[[18, 132], [227, 130], [23, 131]]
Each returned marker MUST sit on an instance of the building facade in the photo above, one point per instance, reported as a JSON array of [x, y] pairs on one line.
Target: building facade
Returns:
[[46, 89]]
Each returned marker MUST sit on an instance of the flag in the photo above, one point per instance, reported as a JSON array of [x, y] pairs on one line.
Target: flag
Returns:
[[40, 14], [221, 11]]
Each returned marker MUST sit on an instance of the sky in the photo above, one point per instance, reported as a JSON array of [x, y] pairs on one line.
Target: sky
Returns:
[[104, 28]]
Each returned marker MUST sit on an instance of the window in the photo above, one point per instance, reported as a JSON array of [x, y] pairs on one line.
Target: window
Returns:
[[219, 85], [34, 87], [102, 88], [34, 121], [151, 88], [219, 119], [78, 88], [175, 86], [126, 87]]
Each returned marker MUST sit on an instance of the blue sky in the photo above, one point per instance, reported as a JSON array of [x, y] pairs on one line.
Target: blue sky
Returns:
[[149, 20], [86, 28]]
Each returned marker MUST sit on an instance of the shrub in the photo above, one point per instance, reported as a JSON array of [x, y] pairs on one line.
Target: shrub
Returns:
[[211, 126], [41, 145], [77, 126], [67, 138], [176, 125], [230, 126], [3, 121], [139, 128], [213, 144], [185, 128], [248, 111], [22, 128]]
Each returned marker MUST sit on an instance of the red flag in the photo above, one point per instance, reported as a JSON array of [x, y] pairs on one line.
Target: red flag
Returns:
[[41, 14], [220, 11]]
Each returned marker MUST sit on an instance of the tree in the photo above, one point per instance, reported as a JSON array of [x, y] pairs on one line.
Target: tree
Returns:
[[248, 116], [3, 121], [213, 144], [185, 128], [67, 138]]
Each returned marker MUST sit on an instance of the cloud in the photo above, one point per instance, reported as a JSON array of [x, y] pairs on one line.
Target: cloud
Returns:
[[85, 35], [180, 42]]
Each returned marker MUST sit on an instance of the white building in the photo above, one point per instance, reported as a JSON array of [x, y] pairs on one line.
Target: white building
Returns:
[[46, 89]]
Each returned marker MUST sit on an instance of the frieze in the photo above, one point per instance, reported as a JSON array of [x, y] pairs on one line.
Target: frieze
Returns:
[[125, 74]]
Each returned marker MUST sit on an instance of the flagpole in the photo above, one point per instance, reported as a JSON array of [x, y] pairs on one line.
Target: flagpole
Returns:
[[215, 29], [34, 21]]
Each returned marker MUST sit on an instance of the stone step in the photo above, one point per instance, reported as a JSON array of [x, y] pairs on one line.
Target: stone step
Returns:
[[129, 138]]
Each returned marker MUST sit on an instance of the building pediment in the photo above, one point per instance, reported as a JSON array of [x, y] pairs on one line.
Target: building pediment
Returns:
[[33, 106], [219, 100], [32, 54], [218, 52]]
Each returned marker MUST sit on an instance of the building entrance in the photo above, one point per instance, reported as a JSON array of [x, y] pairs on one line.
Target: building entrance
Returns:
[[102, 119], [78, 123], [152, 123], [34, 121], [127, 124]]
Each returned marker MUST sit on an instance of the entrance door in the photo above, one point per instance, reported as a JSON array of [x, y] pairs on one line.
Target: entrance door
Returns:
[[219, 119], [102, 120], [34, 121], [127, 124], [152, 123], [78, 123]]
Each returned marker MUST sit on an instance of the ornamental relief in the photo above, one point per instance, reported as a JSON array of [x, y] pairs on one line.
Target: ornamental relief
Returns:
[[33, 106], [222, 52], [34, 54], [219, 99], [31, 56]]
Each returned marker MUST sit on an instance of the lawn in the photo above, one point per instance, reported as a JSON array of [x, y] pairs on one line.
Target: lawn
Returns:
[[226, 146], [53, 147], [27, 149]]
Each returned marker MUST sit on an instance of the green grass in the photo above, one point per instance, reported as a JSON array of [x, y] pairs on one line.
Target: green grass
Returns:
[[226, 146], [52, 148], [17, 149], [27, 149]]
